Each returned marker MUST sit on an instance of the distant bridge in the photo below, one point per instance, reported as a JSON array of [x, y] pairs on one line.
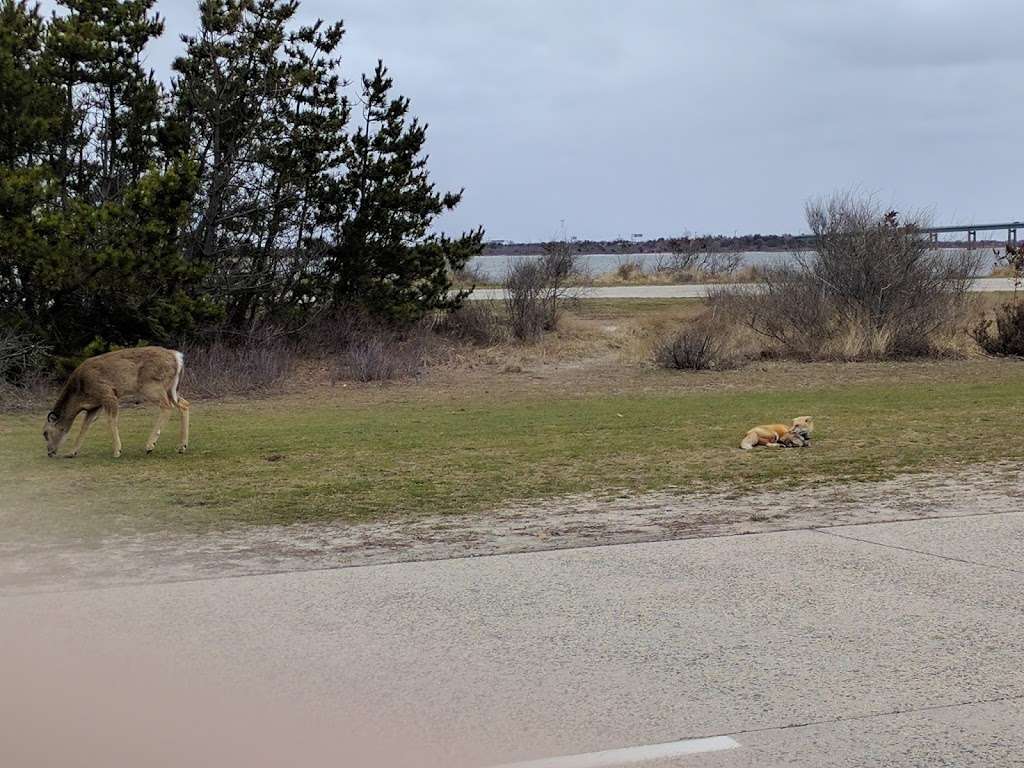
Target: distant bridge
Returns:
[[971, 230]]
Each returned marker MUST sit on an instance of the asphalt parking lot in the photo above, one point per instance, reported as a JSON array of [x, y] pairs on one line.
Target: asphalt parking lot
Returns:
[[890, 644]]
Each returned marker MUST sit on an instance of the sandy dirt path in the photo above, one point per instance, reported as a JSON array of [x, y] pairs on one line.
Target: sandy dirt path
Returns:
[[575, 521]]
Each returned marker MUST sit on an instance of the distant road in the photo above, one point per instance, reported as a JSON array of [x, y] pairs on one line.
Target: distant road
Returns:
[[695, 291]]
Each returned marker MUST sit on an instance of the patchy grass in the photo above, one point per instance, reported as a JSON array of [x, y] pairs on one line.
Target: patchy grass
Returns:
[[626, 309], [441, 447]]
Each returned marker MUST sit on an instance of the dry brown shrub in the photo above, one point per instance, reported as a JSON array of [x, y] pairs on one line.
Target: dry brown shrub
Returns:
[[359, 347], [480, 323], [537, 290], [873, 289], [703, 344], [234, 364]]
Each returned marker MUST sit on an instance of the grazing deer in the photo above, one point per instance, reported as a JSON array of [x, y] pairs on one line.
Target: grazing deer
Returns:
[[152, 373]]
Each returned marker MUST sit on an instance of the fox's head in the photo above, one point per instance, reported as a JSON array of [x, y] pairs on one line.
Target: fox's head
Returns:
[[795, 439], [803, 424]]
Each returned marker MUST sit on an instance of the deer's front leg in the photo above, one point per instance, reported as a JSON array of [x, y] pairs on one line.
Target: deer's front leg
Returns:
[[161, 422], [90, 417]]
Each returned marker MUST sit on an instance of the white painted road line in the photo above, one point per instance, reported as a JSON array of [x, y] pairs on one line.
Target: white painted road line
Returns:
[[610, 758]]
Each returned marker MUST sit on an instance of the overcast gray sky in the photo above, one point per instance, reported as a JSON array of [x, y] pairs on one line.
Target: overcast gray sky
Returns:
[[709, 116]]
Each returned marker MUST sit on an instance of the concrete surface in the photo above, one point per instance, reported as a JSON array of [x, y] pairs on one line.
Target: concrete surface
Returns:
[[973, 734], [889, 644], [695, 291]]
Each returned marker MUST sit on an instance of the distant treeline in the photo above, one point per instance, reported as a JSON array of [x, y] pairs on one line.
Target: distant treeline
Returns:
[[720, 243], [658, 245]]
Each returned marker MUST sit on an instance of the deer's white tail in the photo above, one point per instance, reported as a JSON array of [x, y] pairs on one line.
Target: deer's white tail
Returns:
[[177, 377]]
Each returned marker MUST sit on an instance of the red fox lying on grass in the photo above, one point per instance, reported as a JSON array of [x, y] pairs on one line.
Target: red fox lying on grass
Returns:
[[779, 435]]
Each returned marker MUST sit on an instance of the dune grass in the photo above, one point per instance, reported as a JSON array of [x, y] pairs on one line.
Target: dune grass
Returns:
[[409, 450]]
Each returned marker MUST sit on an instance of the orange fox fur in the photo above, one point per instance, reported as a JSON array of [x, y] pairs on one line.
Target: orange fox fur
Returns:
[[779, 434]]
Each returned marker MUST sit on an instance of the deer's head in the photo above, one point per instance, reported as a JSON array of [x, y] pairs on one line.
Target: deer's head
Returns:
[[54, 433]]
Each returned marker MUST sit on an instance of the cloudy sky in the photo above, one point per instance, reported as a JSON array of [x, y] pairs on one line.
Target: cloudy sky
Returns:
[[708, 116]]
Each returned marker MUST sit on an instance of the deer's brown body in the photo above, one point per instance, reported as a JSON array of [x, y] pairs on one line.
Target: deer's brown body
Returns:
[[100, 383]]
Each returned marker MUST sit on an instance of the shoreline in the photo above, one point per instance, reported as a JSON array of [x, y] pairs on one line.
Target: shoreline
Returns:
[[586, 248]]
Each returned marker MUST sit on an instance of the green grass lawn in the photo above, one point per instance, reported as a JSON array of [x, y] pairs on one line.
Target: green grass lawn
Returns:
[[410, 450]]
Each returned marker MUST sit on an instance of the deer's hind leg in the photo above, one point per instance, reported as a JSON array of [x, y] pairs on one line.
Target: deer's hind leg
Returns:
[[183, 406]]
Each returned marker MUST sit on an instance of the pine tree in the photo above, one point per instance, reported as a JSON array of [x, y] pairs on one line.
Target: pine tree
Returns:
[[264, 109], [29, 103], [126, 216], [30, 128], [112, 105], [89, 236], [114, 273], [385, 256]]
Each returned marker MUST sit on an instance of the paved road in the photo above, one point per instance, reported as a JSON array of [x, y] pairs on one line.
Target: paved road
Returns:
[[981, 285], [898, 644]]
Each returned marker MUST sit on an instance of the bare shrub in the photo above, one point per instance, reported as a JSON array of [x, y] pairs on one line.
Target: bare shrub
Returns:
[[694, 258], [23, 359], [360, 347], [536, 291], [1008, 336], [477, 322], [378, 357], [747, 273], [721, 264], [525, 299], [28, 395], [673, 274], [471, 275], [561, 268], [688, 350], [629, 269], [699, 346], [239, 364], [695, 347], [1011, 264], [684, 254], [381, 353], [873, 289], [26, 374]]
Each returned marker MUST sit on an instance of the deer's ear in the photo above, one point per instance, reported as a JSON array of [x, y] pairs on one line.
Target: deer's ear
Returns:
[[52, 417]]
